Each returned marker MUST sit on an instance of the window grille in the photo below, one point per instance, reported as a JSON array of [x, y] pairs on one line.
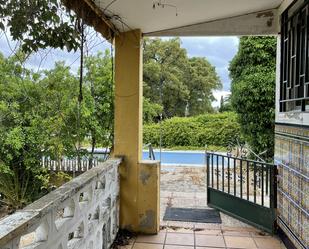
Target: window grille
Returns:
[[294, 79]]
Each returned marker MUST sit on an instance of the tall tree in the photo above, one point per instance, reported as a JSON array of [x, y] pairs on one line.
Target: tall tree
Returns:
[[151, 111], [176, 82], [164, 62], [39, 24], [22, 134], [201, 79], [96, 116], [225, 104], [38, 118], [59, 111], [253, 91], [99, 100]]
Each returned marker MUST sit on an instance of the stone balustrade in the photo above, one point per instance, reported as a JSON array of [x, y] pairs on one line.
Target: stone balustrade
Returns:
[[83, 213]]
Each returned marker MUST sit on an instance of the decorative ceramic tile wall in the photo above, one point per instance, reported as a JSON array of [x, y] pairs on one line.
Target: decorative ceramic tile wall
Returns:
[[292, 158]]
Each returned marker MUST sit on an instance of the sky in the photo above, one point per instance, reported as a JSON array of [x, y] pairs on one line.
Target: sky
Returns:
[[219, 51]]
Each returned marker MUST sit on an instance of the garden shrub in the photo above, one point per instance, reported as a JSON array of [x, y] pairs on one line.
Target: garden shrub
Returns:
[[57, 179], [209, 129]]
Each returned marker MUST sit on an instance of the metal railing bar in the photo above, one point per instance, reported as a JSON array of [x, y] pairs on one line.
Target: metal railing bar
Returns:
[[267, 179], [273, 187], [151, 154], [217, 172], [212, 170], [254, 182], [228, 175], [223, 174], [262, 178], [207, 165], [234, 178], [249, 160], [241, 178], [296, 99], [248, 177]]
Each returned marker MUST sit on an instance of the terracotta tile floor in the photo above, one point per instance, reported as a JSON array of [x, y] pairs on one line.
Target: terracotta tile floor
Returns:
[[178, 190], [182, 238]]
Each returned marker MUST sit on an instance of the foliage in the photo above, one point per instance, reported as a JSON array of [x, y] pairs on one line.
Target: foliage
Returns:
[[201, 79], [176, 82], [151, 111], [60, 89], [58, 179], [209, 148], [253, 91], [253, 51], [39, 24], [38, 118], [225, 104], [99, 100], [59, 111], [22, 133], [208, 129]]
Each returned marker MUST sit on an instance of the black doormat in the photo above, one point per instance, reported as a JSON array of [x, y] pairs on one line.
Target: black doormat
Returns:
[[192, 215]]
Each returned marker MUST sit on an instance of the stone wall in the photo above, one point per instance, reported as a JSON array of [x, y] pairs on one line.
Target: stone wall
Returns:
[[83, 213]]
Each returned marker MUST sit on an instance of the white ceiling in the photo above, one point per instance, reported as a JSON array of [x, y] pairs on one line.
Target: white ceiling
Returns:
[[140, 13]]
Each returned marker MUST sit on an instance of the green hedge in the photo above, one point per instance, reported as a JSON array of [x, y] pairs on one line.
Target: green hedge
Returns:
[[211, 129]]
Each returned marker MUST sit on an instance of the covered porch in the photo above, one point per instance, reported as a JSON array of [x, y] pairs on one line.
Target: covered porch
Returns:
[[126, 27]]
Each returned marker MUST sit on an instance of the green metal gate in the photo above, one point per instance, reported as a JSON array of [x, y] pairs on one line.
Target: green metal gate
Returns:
[[242, 188]]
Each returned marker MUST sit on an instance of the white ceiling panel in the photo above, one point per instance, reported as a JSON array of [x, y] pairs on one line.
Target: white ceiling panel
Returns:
[[140, 14]]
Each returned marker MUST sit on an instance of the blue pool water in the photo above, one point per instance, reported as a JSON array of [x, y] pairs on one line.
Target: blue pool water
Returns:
[[178, 157]]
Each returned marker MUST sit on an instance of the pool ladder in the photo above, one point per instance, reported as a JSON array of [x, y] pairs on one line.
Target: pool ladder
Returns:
[[151, 154]]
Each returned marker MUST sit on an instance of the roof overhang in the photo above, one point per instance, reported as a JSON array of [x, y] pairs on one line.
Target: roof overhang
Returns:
[[258, 23], [93, 16], [194, 18]]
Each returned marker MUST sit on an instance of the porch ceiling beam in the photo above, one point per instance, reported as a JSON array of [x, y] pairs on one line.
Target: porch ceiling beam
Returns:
[[101, 15], [257, 23], [93, 16]]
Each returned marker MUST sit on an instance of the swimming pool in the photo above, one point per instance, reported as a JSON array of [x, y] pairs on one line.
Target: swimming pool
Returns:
[[196, 158], [179, 157]]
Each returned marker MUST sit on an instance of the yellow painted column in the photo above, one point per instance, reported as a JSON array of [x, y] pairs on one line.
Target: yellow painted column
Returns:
[[149, 197], [128, 122], [139, 180]]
